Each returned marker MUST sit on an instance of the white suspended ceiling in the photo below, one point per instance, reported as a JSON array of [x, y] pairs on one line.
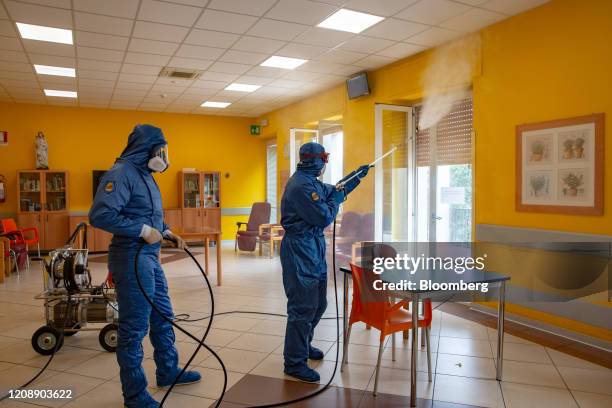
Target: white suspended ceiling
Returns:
[[120, 46]]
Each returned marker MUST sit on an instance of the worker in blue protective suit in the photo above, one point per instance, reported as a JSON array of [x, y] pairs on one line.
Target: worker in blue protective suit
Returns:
[[128, 204], [307, 207]]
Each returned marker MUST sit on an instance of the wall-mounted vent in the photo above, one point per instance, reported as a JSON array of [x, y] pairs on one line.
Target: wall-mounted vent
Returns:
[[180, 73]]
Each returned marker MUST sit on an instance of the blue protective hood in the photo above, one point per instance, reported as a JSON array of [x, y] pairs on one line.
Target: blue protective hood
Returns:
[[142, 142], [311, 165]]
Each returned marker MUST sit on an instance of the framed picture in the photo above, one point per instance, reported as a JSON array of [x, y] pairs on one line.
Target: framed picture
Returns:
[[560, 166]]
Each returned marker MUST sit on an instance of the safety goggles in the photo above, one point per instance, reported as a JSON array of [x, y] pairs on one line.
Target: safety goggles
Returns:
[[323, 156]]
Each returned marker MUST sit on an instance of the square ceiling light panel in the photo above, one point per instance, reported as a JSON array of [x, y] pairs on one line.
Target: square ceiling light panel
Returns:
[[61, 94], [276, 61], [242, 87], [43, 33], [350, 21], [213, 104], [57, 71]]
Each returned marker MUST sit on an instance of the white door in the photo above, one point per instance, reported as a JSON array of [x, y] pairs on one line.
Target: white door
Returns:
[[444, 176], [271, 175], [394, 197], [298, 137]]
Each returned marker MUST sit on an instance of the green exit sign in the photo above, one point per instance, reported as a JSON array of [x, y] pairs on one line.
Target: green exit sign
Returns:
[[255, 130]]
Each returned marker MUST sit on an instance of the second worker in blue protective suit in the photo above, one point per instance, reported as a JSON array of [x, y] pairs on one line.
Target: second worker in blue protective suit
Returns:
[[128, 204], [307, 207]]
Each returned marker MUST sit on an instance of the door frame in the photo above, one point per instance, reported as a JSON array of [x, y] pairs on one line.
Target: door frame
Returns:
[[292, 158], [378, 173]]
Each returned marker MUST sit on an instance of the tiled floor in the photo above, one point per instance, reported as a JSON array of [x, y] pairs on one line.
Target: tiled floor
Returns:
[[251, 347]]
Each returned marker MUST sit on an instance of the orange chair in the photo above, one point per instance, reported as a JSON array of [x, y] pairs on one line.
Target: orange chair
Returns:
[[378, 312], [9, 225]]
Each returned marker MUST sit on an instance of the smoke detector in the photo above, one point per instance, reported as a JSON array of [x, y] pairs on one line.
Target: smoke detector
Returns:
[[180, 73]]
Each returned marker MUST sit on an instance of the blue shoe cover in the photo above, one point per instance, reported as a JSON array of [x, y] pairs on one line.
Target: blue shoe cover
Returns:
[[142, 400], [188, 377], [303, 373], [315, 354]]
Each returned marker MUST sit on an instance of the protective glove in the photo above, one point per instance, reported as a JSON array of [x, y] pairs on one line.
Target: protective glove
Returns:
[[176, 239], [363, 170], [150, 235]]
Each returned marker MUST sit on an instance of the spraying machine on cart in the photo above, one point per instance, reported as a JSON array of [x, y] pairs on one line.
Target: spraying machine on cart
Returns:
[[71, 301]]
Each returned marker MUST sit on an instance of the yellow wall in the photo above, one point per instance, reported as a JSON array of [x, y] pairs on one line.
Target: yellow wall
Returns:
[[81, 140], [551, 62]]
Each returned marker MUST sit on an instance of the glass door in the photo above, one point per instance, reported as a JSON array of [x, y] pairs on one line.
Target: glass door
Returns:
[[444, 177], [55, 191], [191, 190], [298, 137], [394, 176]]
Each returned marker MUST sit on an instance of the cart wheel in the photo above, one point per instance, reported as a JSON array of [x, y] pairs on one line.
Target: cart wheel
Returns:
[[72, 333], [108, 337], [45, 340]]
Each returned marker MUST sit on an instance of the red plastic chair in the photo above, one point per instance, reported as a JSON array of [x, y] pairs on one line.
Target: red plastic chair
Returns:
[[374, 308], [10, 226]]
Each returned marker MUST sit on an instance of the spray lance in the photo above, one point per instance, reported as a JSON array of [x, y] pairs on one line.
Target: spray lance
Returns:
[[340, 185]]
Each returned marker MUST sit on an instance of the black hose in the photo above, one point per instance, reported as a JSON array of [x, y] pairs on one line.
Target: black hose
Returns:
[[202, 344], [171, 321], [331, 379]]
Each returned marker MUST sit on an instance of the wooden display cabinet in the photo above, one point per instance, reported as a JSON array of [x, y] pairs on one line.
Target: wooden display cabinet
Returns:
[[199, 198], [42, 202]]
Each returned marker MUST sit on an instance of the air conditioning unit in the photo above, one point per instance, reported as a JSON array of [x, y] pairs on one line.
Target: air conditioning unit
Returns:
[[180, 73]]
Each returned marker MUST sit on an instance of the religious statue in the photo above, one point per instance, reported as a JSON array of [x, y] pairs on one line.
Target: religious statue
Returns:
[[42, 152]]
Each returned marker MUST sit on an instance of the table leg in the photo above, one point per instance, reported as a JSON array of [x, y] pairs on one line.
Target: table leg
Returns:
[[219, 272], [501, 311], [344, 312], [206, 255], [415, 349]]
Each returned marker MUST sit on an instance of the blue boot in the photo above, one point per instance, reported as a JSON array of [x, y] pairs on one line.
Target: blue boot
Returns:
[[188, 377], [303, 373], [315, 353], [142, 400]]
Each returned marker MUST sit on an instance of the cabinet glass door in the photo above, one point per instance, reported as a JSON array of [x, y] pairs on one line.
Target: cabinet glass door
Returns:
[[30, 198], [211, 190], [55, 191], [191, 190]]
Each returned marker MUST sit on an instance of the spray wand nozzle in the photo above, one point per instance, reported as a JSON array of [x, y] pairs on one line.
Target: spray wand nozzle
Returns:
[[341, 184]]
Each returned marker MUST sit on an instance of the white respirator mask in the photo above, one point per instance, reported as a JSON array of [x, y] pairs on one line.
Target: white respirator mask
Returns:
[[160, 160]]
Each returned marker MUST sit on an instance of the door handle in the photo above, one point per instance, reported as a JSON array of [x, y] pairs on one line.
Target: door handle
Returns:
[[435, 217]]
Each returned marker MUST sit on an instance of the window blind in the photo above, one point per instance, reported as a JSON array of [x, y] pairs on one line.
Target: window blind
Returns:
[[453, 135]]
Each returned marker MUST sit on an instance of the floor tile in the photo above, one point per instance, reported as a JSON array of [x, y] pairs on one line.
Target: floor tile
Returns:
[[241, 361], [465, 347], [532, 396], [65, 358], [177, 400], [471, 391], [392, 381], [590, 400], [234, 323], [582, 379], [565, 360], [531, 353], [532, 373], [106, 395], [102, 366], [465, 366], [256, 342], [79, 385]]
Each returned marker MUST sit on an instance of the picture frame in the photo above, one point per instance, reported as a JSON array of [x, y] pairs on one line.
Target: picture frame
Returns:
[[560, 166]]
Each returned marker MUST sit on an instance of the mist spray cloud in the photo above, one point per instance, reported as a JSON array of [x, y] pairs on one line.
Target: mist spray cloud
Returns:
[[448, 78]]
